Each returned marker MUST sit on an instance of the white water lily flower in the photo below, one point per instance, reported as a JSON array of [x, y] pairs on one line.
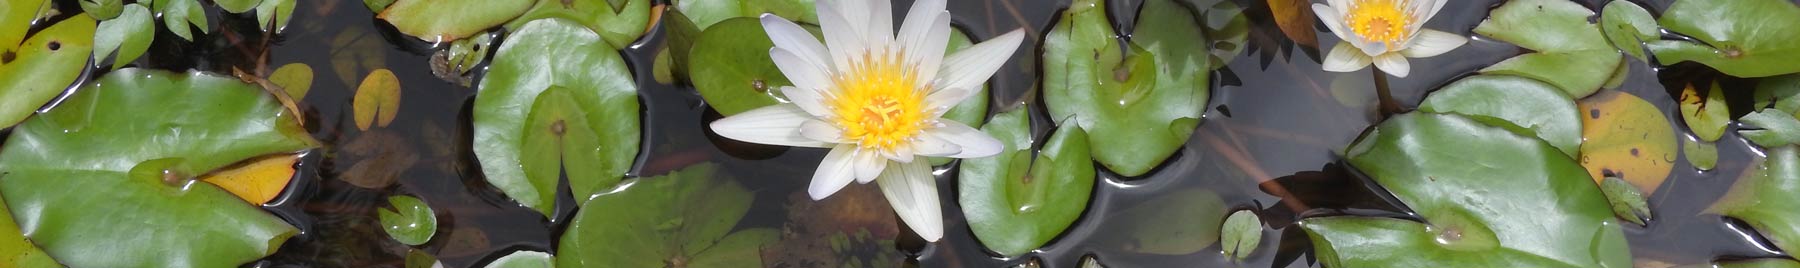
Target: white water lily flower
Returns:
[[1384, 32], [876, 100]]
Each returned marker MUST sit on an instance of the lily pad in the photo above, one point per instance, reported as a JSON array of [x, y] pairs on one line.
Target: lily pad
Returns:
[[355, 52], [256, 181], [102, 9], [619, 26], [377, 99], [15, 249], [1760, 263], [1243, 232], [1175, 223], [524, 259], [1705, 116], [1513, 102], [1779, 92], [1748, 38], [683, 219], [134, 138], [1628, 26], [1487, 197], [296, 79], [1569, 50], [600, 97], [1627, 202], [731, 67], [1764, 198], [1626, 137], [1018, 201], [409, 220], [705, 13], [44, 67], [1138, 109], [129, 34], [1702, 155], [448, 20], [273, 15], [237, 6], [1777, 128], [180, 16]]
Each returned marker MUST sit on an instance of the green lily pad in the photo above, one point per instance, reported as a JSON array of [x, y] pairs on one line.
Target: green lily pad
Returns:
[[274, 14], [1765, 199], [1488, 198], [683, 219], [1702, 155], [1779, 92], [448, 20], [1176, 223], [179, 16], [619, 26], [1138, 109], [1532, 107], [1705, 116], [1777, 128], [1569, 51], [409, 220], [135, 139], [237, 6], [1628, 26], [524, 259], [1243, 232], [44, 67], [129, 34], [1018, 201], [102, 9], [705, 13], [416, 258], [1748, 38], [1626, 201], [597, 103], [731, 67], [1759, 263]]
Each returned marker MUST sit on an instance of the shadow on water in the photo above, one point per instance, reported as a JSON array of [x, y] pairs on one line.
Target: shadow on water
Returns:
[[1273, 129]]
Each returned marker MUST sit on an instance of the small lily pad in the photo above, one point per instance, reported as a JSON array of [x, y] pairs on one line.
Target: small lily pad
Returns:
[[449, 20], [409, 220], [129, 34], [295, 78], [1243, 232], [684, 218], [256, 181], [618, 25], [1764, 198], [102, 9], [273, 15], [1626, 137], [1506, 101], [44, 67], [1628, 26], [377, 99], [1748, 38], [1018, 201], [1705, 116], [1569, 50], [237, 6], [1138, 109], [524, 259], [1702, 155], [1627, 202], [180, 16]]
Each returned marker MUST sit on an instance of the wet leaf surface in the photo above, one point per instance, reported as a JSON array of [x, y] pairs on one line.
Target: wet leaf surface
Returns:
[[683, 219], [1764, 198], [554, 94], [129, 35], [1524, 204], [449, 20], [1705, 116], [1626, 201], [258, 180], [1242, 233], [1569, 50], [1627, 137], [377, 100], [731, 67], [134, 138], [408, 220], [45, 65], [1777, 128], [1747, 38], [524, 259], [1513, 102], [619, 26], [1138, 109], [1017, 201]]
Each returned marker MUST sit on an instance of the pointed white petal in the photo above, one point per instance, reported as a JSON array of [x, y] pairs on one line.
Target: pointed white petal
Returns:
[[1345, 58], [925, 41], [912, 191], [1436, 5], [809, 100], [881, 22], [946, 98], [1431, 43], [804, 74], [821, 131], [776, 124], [841, 36], [1394, 64], [1342, 6], [869, 164], [974, 143], [973, 66], [901, 154], [789, 36], [928, 145], [835, 172], [1334, 20]]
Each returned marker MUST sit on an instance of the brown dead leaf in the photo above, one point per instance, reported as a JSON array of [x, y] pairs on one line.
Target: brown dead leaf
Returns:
[[1296, 20]]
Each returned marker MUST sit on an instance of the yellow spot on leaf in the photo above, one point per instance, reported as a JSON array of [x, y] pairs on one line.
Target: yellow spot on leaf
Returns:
[[258, 180]]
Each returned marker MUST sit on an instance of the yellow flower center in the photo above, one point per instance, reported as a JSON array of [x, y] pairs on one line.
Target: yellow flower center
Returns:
[[878, 103], [1382, 21]]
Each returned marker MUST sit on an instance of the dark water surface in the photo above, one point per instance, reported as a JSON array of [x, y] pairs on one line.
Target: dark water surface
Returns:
[[1275, 122]]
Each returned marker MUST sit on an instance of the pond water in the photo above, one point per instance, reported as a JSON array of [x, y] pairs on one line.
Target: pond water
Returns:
[[1268, 144]]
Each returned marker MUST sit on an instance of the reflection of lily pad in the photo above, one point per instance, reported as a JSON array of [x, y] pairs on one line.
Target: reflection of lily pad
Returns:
[[1626, 137], [1764, 198], [1513, 102], [1569, 50], [1488, 198], [1016, 202], [43, 66], [1746, 38], [133, 139], [1138, 109], [1175, 223], [597, 90], [683, 219], [448, 20], [731, 67], [409, 221], [619, 26]]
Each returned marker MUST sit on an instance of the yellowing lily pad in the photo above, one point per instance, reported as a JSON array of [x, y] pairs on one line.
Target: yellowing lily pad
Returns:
[[377, 99], [43, 67], [257, 181], [295, 78], [449, 20], [1705, 116], [1138, 109], [1626, 137]]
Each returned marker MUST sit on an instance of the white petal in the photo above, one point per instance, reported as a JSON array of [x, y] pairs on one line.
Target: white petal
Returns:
[[902, 153], [841, 37], [869, 164], [808, 99], [1342, 6], [806, 75], [1394, 64], [1436, 5], [776, 124], [1333, 20], [1370, 48], [1345, 58], [1431, 43], [924, 42], [928, 145], [821, 131], [912, 191], [835, 172], [881, 22], [947, 98], [974, 143], [789, 36], [972, 66]]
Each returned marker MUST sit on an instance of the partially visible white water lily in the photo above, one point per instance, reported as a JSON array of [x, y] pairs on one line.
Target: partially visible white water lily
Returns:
[[1383, 32], [876, 100]]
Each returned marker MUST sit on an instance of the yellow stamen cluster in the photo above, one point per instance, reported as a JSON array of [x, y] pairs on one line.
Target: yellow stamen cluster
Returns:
[[1381, 21], [878, 102]]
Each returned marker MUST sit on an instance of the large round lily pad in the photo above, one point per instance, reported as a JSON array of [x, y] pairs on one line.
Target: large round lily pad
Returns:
[[1488, 198], [1745, 38], [105, 179], [1569, 50], [619, 22], [1138, 108], [555, 94], [1627, 137], [683, 219], [1539, 109], [43, 66], [1015, 201]]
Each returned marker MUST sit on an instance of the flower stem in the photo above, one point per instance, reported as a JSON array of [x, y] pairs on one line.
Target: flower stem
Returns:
[[1389, 106]]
